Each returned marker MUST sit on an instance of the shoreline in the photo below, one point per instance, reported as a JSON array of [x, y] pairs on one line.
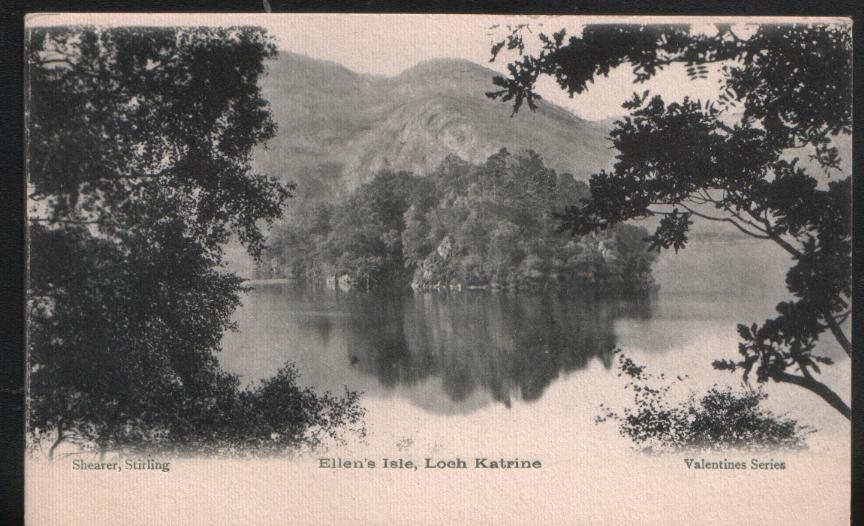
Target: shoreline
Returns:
[[270, 281]]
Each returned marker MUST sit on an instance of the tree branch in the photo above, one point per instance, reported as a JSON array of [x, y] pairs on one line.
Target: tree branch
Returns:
[[816, 387], [69, 221], [774, 236], [838, 333], [132, 177], [830, 321], [47, 61], [724, 220]]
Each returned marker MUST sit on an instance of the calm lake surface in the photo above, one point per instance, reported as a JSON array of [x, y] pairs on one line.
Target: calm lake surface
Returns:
[[480, 361]]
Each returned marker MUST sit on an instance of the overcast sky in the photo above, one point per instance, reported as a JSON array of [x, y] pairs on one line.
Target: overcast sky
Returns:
[[389, 44]]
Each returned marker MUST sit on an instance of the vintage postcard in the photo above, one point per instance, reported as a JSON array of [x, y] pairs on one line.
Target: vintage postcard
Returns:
[[438, 269]]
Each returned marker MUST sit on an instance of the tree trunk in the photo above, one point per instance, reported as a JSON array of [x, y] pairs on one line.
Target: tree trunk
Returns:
[[838, 333], [819, 388], [60, 438]]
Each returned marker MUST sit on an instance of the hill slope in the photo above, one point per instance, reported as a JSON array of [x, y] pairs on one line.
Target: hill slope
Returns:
[[337, 127]]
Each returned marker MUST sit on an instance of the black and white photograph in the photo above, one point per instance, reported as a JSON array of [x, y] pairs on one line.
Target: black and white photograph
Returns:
[[437, 269]]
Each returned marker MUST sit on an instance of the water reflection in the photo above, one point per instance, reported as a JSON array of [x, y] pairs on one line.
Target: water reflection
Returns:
[[472, 344]]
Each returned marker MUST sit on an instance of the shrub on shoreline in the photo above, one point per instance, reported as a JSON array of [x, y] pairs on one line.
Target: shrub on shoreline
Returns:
[[720, 418]]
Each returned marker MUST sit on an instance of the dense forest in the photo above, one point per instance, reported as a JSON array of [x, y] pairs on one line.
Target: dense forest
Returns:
[[492, 225]]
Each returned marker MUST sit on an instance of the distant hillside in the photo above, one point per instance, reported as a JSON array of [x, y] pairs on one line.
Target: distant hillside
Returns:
[[337, 127]]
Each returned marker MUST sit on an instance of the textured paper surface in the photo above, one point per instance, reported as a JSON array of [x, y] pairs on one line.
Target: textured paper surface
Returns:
[[589, 474]]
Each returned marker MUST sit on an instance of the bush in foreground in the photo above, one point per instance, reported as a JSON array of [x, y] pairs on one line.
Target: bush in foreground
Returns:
[[721, 418], [275, 417]]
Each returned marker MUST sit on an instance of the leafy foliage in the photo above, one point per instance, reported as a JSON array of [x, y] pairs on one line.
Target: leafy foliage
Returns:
[[139, 146], [495, 224], [275, 417], [366, 237], [486, 225], [696, 160], [127, 124], [719, 419]]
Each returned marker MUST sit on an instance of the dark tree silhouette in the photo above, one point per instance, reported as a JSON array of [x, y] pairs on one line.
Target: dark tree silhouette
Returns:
[[139, 144], [693, 159]]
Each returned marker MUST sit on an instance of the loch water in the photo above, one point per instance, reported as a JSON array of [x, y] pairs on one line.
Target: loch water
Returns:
[[532, 360]]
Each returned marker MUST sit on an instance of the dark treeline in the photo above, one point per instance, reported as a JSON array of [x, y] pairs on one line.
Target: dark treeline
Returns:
[[490, 225], [139, 144]]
